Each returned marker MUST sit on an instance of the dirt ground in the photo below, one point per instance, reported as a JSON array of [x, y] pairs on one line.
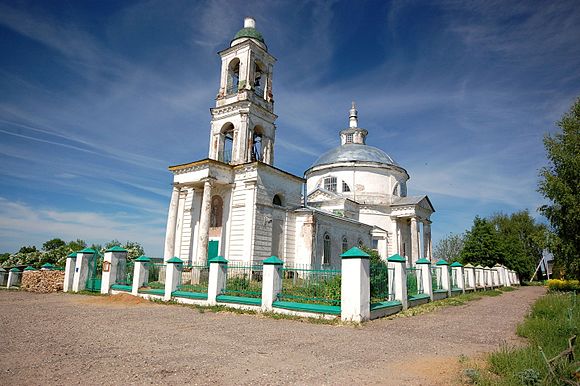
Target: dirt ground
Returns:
[[76, 339]]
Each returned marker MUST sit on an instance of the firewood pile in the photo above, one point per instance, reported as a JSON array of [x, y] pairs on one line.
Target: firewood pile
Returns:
[[42, 281]]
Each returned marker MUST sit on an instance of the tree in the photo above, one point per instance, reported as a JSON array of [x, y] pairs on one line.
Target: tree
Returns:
[[560, 184], [53, 244], [27, 249], [449, 248], [482, 244]]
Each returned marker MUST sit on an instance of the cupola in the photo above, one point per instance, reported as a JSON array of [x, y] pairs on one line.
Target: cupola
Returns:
[[353, 134]]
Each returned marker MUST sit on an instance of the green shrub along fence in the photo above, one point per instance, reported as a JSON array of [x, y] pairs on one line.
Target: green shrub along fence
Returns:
[[436, 281], [382, 289], [243, 280], [414, 282], [301, 284], [194, 278]]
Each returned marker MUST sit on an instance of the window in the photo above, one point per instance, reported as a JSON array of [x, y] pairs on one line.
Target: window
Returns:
[[344, 244], [375, 244], [256, 146], [217, 210], [233, 76], [360, 243], [345, 187], [330, 184], [396, 190], [326, 252], [277, 200], [349, 138], [403, 189], [228, 145]]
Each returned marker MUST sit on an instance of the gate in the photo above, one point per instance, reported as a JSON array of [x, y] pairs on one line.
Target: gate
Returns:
[[95, 273]]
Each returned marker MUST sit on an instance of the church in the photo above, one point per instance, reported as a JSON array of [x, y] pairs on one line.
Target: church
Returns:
[[235, 203]]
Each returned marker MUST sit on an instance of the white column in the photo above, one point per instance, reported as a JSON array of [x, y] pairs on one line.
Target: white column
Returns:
[[69, 272], [355, 291], [414, 240], [271, 281], [399, 278], [13, 275], [500, 279], [488, 278], [457, 268], [140, 273], [82, 269], [428, 247], [113, 256], [203, 238], [425, 266], [171, 224], [217, 279], [172, 276], [470, 272]]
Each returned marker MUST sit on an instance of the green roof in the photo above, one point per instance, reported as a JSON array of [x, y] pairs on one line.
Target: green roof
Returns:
[[143, 258], [29, 268], [218, 259], [249, 33], [87, 250], [72, 254], [442, 262], [456, 264], [116, 248], [47, 266], [355, 252], [397, 258], [423, 261], [273, 260], [14, 270], [175, 260]]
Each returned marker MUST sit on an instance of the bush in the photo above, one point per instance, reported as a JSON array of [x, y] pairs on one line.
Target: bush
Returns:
[[563, 285]]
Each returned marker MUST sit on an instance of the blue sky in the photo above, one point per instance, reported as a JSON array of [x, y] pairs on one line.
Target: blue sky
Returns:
[[99, 97]]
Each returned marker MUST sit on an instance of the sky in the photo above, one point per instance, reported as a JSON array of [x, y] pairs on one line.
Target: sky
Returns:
[[98, 98]]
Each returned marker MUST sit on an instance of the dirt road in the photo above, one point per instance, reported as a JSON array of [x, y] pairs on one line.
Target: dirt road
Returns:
[[76, 339]]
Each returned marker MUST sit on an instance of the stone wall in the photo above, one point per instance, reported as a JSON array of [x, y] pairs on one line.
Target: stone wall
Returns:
[[42, 281]]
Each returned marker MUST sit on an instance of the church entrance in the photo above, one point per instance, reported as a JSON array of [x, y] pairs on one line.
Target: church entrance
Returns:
[[212, 249]]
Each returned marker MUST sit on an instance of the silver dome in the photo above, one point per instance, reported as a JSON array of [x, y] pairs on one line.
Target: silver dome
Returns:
[[354, 152]]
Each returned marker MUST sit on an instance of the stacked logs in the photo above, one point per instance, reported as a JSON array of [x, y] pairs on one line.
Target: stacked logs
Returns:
[[42, 281]]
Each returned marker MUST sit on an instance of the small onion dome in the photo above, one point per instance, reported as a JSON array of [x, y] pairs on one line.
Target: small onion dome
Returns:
[[249, 31]]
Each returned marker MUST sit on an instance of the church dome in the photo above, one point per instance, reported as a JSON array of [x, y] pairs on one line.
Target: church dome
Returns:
[[354, 152], [249, 32]]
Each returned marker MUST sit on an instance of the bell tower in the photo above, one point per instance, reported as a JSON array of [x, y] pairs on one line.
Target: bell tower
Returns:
[[242, 123]]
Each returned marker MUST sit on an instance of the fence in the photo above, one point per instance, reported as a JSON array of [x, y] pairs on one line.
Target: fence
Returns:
[[302, 284], [124, 275], [436, 280], [194, 278], [154, 282], [414, 282], [454, 280], [244, 280], [382, 289]]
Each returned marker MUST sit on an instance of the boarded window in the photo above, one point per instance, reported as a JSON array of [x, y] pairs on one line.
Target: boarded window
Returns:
[[344, 244], [217, 211]]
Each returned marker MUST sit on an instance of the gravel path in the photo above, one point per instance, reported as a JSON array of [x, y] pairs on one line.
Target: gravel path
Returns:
[[76, 339]]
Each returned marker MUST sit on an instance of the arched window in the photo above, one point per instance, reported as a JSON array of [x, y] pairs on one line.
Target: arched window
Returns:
[[217, 211], [233, 76], [396, 190], [277, 200], [259, 80], [257, 144], [327, 249], [344, 244], [345, 187], [360, 243], [228, 133]]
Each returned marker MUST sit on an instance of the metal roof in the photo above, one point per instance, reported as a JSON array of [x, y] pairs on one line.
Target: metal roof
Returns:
[[355, 152]]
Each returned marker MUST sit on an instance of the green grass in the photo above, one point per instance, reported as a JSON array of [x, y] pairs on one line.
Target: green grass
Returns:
[[552, 321]]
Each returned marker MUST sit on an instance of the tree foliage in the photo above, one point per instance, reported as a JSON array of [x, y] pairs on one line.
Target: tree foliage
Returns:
[[560, 184], [449, 248], [481, 244]]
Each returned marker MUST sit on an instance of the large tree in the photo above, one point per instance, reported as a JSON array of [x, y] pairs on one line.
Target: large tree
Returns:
[[560, 184], [449, 248], [482, 244]]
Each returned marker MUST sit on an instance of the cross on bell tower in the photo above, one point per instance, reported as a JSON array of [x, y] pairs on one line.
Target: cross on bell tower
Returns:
[[242, 124]]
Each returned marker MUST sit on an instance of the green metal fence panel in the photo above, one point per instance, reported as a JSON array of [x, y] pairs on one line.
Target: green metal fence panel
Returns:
[[156, 276], [414, 282], [454, 279], [302, 284], [95, 273], [382, 283], [243, 279], [436, 281], [124, 272], [193, 278]]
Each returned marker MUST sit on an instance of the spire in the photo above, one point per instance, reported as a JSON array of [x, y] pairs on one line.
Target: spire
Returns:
[[353, 117]]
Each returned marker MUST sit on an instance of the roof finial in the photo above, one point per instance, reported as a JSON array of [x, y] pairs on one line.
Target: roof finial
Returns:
[[353, 117], [249, 22]]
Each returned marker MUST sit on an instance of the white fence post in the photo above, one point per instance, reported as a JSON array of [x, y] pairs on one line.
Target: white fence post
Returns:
[[399, 264], [3, 277], [500, 279], [445, 280], [174, 267], [140, 273], [426, 276], [271, 281], [82, 269], [14, 278], [458, 270], [488, 277], [69, 272], [355, 287], [217, 279], [111, 261]]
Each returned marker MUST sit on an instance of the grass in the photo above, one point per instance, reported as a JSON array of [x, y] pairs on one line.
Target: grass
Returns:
[[552, 321], [452, 301]]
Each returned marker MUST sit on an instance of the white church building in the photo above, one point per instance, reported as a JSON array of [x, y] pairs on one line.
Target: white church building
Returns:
[[237, 204]]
